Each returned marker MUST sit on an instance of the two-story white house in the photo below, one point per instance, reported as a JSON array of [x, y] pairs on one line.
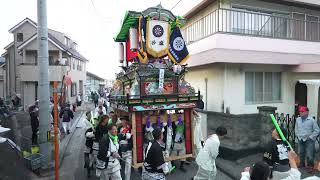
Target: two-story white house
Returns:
[[22, 70], [249, 53]]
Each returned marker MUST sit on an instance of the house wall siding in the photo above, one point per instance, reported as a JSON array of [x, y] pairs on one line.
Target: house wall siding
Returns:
[[214, 74]]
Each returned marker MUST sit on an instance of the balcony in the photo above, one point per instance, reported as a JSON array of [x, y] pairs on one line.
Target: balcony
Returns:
[[30, 72], [237, 36], [254, 24]]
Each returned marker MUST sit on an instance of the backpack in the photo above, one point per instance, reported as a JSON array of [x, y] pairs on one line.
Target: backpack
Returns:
[[65, 114]]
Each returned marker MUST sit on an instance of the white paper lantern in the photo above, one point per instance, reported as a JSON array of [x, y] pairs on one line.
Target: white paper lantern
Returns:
[[121, 52], [133, 34], [177, 69]]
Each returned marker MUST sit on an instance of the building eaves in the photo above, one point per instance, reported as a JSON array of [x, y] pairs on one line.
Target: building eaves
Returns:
[[21, 23], [51, 38], [94, 76], [203, 4], [4, 54], [196, 9], [9, 45]]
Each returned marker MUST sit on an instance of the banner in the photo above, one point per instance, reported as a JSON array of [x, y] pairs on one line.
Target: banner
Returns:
[[178, 52], [157, 38], [161, 79]]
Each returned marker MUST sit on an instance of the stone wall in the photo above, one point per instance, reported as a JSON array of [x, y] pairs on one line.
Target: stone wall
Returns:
[[247, 133]]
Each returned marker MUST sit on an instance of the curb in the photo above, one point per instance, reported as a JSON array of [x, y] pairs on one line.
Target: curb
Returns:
[[62, 149], [63, 146]]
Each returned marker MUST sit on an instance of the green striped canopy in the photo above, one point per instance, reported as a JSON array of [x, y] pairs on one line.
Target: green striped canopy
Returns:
[[131, 19]]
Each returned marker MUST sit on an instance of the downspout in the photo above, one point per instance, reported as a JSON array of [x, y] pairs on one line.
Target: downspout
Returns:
[[224, 104], [206, 87]]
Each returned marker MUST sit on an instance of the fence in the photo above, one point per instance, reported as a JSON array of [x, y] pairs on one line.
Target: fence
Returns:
[[290, 26], [288, 122]]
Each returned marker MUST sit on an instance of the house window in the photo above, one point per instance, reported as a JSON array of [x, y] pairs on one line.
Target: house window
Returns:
[[73, 89], [262, 87], [73, 64], [19, 37], [51, 62]]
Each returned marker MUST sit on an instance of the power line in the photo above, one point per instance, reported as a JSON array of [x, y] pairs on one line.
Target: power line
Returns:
[[175, 5], [97, 12]]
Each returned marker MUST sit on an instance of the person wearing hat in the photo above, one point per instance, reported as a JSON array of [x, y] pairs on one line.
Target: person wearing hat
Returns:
[[276, 155], [154, 166], [126, 144], [306, 130]]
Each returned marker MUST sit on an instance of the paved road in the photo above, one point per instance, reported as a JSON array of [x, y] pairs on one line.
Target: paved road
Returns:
[[72, 165]]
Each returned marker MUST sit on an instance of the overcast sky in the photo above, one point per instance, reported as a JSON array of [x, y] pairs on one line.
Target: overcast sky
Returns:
[[91, 23]]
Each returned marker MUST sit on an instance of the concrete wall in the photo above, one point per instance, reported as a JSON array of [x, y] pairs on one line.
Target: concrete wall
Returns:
[[213, 95], [31, 73], [247, 133]]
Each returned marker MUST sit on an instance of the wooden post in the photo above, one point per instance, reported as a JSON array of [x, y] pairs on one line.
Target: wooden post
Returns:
[[56, 133], [133, 131], [188, 127]]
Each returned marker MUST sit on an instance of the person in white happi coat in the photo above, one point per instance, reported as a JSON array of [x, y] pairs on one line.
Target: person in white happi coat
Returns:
[[208, 154], [198, 139], [89, 134], [100, 110], [108, 164]]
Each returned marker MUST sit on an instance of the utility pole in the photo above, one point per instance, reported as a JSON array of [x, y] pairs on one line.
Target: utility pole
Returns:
[[56, 133], [44, 124]]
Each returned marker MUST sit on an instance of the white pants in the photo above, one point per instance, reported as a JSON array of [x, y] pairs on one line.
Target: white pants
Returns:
[[106, 175], [205, 175], [127, 156], [66, 126], [276, 175]]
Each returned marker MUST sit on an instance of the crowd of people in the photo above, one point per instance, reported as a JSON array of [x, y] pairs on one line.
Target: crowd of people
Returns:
[[109, 147], [279, 162], [66, 114], [108, 144]]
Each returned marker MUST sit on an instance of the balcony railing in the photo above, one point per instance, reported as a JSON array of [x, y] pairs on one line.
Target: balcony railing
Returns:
[[253, 24]]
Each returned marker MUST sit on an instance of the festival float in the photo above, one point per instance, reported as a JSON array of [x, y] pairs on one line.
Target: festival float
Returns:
[[151, 89]]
